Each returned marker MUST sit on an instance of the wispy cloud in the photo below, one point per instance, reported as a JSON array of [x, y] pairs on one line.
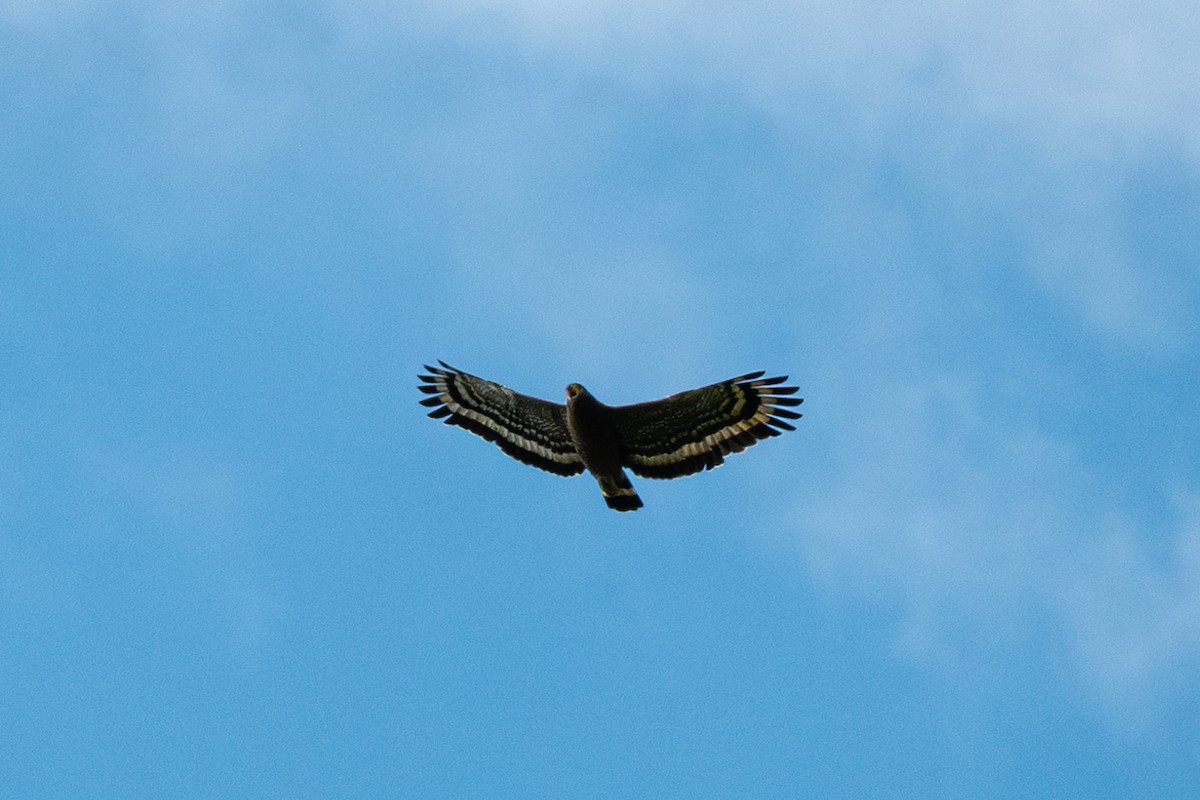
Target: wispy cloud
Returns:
[[1075, 94], [1053, 67], [993, 541], [1081, 92], [1072, 73], [1134, 616]]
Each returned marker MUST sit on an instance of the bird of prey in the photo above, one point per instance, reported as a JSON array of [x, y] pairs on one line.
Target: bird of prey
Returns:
[[677, 435]]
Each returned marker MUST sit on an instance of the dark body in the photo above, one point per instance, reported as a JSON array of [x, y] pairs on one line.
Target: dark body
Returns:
[[599, 446]]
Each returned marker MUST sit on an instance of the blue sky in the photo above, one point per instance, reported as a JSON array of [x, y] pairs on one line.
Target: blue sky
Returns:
[[236, 560]]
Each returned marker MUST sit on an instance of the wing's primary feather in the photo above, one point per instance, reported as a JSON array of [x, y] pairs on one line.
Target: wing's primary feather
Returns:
[[695, 430], [530, 430]]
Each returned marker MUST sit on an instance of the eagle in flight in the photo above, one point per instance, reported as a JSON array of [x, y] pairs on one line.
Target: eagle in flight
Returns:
[[677, 435]]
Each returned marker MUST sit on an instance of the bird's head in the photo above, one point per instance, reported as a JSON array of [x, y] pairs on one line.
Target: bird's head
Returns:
[[575, 390]]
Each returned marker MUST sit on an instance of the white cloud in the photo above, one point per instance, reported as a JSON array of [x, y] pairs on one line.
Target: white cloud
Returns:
[[994, 542], [1050, 66], [1069, 220], [1134, 620], [1101, 76], [1082, 90], [1085, 262]]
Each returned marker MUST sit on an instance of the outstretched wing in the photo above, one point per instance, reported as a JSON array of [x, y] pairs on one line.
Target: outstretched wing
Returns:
[[695, 430], [528, 429]]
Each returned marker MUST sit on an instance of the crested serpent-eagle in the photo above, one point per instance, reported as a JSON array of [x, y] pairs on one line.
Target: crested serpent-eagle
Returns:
[[677, 435]]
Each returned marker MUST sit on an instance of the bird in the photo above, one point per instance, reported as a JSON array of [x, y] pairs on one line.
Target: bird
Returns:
[[678, 435]]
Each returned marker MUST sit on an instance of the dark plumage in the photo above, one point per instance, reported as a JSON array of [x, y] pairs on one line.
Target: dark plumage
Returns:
[[667, 438]]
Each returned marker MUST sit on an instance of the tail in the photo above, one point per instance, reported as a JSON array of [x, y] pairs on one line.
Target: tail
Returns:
[[619, 493]]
